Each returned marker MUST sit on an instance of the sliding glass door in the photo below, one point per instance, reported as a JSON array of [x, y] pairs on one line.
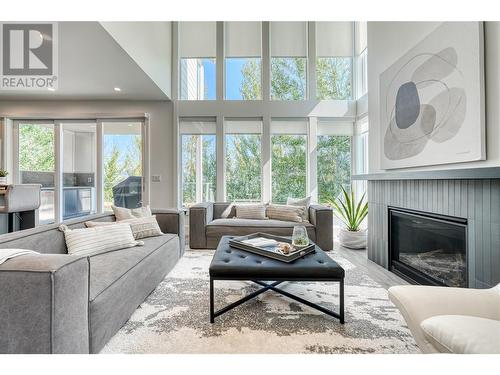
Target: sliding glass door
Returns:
[[83, 166]]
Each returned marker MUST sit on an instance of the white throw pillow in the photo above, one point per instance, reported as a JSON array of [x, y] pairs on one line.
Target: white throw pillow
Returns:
[[141, 228], [6, 254], [122, 213], [462, 334], [285, 213], [251, 211], [87, 241], [300, 202]]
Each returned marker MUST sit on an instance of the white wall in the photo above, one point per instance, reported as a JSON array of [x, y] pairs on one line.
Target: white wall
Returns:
[[388, 41], [161, 136], [150, 45]]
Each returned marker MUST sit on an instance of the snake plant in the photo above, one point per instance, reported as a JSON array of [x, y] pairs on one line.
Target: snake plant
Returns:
[[351, 213]]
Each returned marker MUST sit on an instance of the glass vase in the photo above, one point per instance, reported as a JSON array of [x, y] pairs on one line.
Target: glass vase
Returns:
[[299, 236]]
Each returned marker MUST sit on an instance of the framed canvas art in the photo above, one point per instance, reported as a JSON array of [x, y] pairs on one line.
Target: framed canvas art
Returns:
[[432, 100]]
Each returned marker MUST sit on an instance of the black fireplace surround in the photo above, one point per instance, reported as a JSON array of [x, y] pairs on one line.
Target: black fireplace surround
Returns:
[[428, 249]]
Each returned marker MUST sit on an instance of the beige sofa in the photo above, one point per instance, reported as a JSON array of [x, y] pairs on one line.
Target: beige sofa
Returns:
[[450, 320]]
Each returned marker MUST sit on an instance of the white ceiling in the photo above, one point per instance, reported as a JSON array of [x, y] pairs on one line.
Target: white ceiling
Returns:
[[91, 64]]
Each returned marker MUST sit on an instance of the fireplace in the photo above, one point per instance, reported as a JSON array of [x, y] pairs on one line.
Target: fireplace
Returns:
[[428, 249]]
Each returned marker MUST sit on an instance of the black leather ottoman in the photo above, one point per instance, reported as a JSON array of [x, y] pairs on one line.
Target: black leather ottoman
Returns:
[[232, 264]]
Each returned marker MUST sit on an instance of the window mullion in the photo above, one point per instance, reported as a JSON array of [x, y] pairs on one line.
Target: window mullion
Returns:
[[311, 66], [219, 62], [58, 172], [312, 142], [266, 63]]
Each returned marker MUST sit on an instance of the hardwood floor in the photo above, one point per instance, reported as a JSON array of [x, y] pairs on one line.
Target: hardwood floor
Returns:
[[360, 259]]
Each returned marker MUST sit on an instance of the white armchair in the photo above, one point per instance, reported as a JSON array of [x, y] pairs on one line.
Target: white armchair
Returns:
[[453, 320]]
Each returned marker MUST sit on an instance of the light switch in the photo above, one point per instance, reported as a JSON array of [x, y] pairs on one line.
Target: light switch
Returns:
[[156, 178]]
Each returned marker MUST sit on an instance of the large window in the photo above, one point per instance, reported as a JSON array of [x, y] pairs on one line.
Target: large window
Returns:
[[333, 159], [288, 159], [197, 67], [279, 134], [243, 51], [334, 60], [37, 163], [243, 160], [288, 60], [198, 161], [122, 154]]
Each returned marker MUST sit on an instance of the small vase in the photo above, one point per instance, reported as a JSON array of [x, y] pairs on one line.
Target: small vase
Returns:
[[3, 180], [299, 236], [353, 240]]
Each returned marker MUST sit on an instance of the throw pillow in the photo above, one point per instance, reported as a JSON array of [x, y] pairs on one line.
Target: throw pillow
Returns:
[[87, 241], [229, 212], [251, 211], [122, 213], [301, 202], [6, 254], [285, 213], [141, 228]]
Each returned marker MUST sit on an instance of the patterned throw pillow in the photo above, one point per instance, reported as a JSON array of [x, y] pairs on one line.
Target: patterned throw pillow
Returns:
[[86, 241], [141, 228], [251, 211], [285, 213]]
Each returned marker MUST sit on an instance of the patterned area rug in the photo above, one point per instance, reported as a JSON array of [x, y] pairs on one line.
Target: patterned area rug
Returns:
[[175, 317]]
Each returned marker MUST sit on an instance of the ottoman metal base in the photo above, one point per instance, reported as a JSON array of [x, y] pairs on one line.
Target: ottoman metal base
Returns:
[[272, 286]]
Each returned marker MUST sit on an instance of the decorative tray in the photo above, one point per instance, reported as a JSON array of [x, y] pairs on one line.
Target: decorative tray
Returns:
[[270, 246]]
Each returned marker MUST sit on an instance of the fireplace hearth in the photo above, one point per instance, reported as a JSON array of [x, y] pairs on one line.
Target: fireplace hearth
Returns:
[[428, 249]]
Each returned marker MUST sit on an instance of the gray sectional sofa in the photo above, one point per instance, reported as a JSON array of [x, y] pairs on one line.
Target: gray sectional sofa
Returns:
[[60, 303], [206, 226]]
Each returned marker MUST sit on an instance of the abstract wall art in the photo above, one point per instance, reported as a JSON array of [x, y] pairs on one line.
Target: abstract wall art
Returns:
[[432, 100]]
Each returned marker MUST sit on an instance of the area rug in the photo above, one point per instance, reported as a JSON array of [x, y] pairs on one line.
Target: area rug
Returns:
[[175, 317]]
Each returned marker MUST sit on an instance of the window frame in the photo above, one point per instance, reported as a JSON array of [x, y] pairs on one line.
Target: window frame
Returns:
[[267, 108], [59, 156]]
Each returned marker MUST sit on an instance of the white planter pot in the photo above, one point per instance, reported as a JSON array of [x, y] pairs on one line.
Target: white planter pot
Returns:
[[353, 240], [3, 180]]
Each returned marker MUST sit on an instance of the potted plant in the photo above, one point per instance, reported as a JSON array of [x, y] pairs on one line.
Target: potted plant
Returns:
[[352, 214], [3, 177]]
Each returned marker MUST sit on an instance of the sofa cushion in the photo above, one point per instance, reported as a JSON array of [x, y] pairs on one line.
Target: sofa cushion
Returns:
[[106, 268], [240, 227], [460, 334]]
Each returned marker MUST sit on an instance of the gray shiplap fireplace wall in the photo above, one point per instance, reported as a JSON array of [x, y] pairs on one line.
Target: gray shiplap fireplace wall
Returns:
[[471, 194]]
